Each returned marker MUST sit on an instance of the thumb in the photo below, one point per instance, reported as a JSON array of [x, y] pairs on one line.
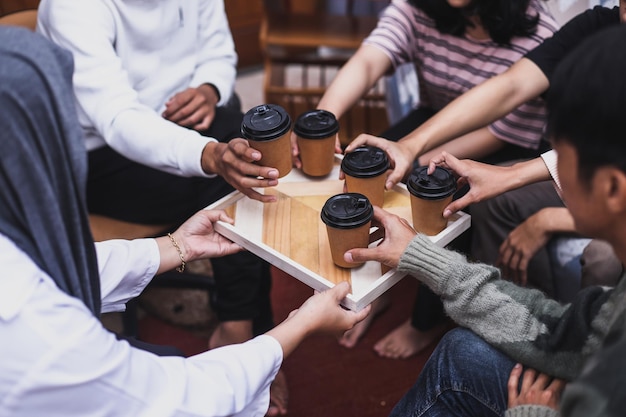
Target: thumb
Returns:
[[357, 255], [340, 290]]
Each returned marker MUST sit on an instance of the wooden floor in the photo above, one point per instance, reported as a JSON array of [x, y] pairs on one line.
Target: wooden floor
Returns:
[[324, 378]]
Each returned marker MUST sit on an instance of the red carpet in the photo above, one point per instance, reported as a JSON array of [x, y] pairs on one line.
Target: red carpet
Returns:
[[324, 378]]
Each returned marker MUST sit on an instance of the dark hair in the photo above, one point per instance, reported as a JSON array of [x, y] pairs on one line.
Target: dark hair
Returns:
[[587, 101], [503, 19]]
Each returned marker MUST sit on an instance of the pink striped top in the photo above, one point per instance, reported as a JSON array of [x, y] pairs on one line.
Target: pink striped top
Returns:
[[447, 66]]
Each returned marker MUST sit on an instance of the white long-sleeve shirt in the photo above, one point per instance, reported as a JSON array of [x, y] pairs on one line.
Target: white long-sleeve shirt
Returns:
[[130, 58], [58, 359]]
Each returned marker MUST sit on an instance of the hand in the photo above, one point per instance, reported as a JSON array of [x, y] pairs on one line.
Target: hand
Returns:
[[537, 388], [396, 235], [295, 151], [520, 246], [321, 313], [193, 108], [198, 239], [324, 313], [485, 180], [234, 162], [400, 156]]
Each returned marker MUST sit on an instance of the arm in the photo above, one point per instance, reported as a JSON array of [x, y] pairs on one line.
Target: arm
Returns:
[[214, 76], [55, 337], [218, 59], [106, 98], [355, 78], [536, 331], [482, 177], [126, 267], [474, 145], [473, 110], [104, 85], [527, 238]]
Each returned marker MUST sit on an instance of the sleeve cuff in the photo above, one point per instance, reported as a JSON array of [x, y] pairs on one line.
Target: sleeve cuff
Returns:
[[531, 410]]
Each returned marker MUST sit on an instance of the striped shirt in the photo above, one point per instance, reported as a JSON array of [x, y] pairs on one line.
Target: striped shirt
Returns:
[[447, 66]]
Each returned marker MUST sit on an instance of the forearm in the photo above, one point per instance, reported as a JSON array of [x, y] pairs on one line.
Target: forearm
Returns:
[[290, 333], [521, 174], [218, 57], [354, 80], [555, 220], [474, 145], [480, 106], [529, 327], [125, 268]]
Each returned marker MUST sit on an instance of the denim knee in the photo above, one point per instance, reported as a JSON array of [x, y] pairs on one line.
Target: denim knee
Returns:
[[464, 376]]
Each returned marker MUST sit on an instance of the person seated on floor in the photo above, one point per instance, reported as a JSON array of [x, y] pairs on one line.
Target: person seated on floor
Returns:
[[58, 359], [486, 103], [486, 38], [153, 84], [504, 328]]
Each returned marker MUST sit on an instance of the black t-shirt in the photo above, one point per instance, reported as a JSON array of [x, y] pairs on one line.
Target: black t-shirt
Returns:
[[548, 55]]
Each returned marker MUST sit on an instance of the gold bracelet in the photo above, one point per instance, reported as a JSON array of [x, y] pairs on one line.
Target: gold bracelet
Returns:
[[181, 268]]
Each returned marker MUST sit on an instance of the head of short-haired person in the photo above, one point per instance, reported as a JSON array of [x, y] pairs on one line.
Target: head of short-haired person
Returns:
[[586, 106]]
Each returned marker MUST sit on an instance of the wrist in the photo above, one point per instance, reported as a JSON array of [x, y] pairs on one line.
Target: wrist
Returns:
[[210, 92], [411, 146], [209, 158]]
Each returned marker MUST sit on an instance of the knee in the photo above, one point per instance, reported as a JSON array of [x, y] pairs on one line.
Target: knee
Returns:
[[600, 265]]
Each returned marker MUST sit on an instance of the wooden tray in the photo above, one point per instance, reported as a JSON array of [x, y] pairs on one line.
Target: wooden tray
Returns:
[[290, 235]]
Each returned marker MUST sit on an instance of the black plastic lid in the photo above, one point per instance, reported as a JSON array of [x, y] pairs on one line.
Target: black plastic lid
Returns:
[[440, 184], [347, 211], [364, 162], [265, 122], [316, 124]]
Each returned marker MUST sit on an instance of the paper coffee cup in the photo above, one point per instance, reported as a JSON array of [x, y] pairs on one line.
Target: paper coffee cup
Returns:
[[316, 134], [348, 217], [365, 173], [430, 194], [267, 129]]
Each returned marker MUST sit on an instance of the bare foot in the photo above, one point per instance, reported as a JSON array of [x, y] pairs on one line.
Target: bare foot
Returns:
[[230, 332], [279, 396], [405, 340], [351, 337]]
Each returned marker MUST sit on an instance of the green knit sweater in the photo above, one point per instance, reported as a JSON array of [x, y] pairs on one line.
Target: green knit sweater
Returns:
[[532, 329]]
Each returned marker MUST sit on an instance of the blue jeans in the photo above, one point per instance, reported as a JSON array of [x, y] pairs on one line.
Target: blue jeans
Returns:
[[465, 376]]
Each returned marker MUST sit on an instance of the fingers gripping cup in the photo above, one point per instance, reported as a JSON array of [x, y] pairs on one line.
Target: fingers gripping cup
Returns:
[[316, 133], [267, 129], [430, 194], [364, 170], [348, 218]]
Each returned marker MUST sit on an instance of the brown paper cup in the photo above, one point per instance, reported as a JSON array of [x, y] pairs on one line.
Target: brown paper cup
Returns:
[[373, 188], [275, 153], [428, 214], [342, 240], [317, 155]]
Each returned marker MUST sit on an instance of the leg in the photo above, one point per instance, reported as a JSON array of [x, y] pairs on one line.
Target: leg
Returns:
[[465, 376], [494, 219], [426, 325]]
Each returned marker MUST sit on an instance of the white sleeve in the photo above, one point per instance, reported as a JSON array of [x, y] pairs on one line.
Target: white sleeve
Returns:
[[62, 362], [105, 95], [126, 267], [218, 59], [550, 159]]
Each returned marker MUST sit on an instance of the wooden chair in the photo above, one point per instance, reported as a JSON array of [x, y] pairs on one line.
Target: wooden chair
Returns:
[[304, 45]]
